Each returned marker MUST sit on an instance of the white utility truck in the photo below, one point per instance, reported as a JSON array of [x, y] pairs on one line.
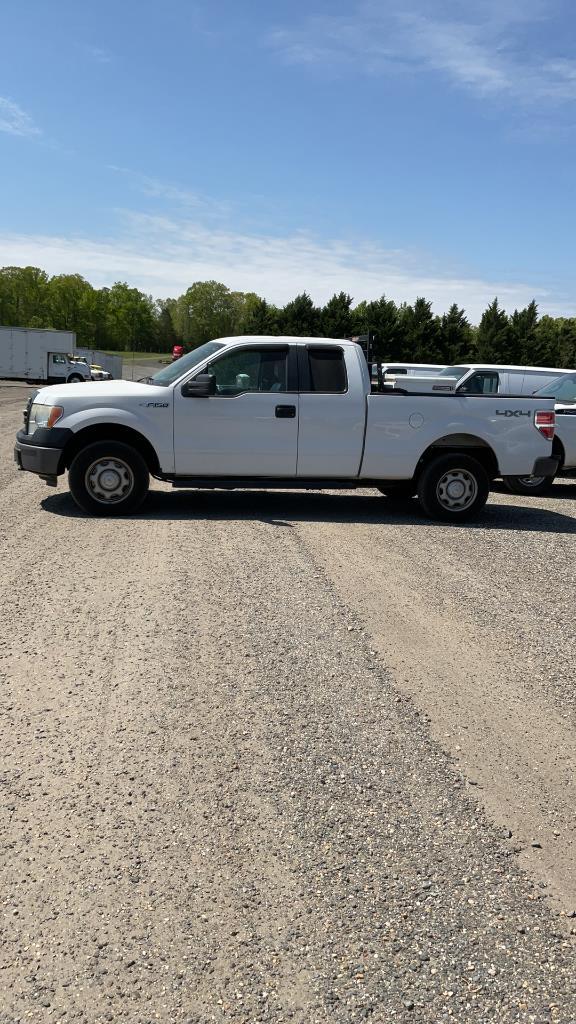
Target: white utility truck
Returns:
[[478, 379], [40, 355], [279, 412]]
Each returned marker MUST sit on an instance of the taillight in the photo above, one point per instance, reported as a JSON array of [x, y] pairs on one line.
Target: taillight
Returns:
[[545, 422]]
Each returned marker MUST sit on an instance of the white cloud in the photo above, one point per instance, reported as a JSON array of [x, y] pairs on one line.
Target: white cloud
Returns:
[[16, 121], [477, 46], [100, 55], [163, 257], [174, 194]]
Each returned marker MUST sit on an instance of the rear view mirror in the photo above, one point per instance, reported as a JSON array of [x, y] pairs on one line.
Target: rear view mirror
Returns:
[[201, 386]]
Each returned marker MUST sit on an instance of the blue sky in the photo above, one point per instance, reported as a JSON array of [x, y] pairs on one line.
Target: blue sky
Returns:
[[406, 147]]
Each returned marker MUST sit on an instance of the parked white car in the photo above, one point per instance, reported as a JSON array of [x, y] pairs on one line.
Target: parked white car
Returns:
[[280, 412]]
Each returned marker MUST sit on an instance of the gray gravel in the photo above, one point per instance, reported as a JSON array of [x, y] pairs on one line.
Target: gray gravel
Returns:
[[216, 804]]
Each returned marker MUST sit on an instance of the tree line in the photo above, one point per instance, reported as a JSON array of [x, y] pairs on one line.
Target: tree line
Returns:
[[122, 318]]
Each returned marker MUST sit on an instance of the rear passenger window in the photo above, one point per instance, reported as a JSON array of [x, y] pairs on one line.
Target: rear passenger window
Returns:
[[327, 370]]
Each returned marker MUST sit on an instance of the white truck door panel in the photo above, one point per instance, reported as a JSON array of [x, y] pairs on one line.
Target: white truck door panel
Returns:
[[332, 412], [249, 427]]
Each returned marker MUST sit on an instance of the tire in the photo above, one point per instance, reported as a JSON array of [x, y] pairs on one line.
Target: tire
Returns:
[[453, 488], [75, 378], [108, 478], [530, 485], [402, 489]]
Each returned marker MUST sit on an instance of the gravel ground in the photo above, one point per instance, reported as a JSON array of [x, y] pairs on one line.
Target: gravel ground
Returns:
[[223, 800]]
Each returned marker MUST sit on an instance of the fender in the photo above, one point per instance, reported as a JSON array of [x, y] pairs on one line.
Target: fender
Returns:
[[154, 422]]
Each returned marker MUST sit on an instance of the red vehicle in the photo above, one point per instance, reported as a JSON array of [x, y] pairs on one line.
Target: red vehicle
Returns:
[[177, 352]]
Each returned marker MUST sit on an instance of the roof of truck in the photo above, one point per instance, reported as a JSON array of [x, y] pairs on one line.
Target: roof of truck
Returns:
[[505, 367], [273, 339]]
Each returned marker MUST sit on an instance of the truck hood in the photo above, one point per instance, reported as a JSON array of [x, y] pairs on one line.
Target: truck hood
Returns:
[[98, 391]]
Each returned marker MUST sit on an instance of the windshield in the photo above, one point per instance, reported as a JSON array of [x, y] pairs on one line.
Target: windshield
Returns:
[[452, 371], [181, 366], [563, 389]]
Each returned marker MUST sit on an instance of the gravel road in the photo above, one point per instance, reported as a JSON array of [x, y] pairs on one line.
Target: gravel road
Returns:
[[285, 758]]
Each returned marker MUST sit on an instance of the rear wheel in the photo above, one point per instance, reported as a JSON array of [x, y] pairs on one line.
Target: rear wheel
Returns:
[[108, 478], [453, 488], [530, 485]]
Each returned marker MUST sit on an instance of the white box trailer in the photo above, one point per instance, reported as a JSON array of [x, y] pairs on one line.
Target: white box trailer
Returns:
[[39, 356]]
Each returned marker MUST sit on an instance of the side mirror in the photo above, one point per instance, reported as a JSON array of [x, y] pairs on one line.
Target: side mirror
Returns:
[[201, 386]]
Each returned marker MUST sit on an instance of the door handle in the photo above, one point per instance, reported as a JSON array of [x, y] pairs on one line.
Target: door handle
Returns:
[[285, 412]]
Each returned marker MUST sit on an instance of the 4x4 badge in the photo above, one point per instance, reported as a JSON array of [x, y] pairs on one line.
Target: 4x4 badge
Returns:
[[511, 412]]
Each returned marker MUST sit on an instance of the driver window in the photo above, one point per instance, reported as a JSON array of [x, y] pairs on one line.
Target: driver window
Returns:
[[250, 369]]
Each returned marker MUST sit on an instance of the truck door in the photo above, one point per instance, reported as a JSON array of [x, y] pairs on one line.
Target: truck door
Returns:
[[57, 366], [332, 412], [249, 427]]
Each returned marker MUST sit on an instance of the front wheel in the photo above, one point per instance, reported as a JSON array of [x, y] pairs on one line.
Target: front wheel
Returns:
[[108, 478], [75, 378], [530, 485], [453, 488]]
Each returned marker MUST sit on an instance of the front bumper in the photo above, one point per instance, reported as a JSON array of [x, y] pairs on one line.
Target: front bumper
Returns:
[[42, 452], [546, 466]]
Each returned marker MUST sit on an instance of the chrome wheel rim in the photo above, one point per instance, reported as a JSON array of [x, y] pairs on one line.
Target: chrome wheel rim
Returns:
[[109, 480], [457, 490]]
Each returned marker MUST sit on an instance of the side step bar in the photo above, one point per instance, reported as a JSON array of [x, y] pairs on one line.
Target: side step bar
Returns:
[[230, 483]]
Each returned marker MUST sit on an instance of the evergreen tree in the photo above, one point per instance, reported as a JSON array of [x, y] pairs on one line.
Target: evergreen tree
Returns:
[[455, 339], [336, 317], [546, 342], [300, 317], [493, 340], [566, 353], [421, 333], [379, 318], [523, 333]]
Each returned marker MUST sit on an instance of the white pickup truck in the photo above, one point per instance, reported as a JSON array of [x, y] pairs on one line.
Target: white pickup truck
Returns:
[[278, 412]]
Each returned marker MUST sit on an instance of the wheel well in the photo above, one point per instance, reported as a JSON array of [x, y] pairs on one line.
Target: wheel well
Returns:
[[558, 451], [112, 432], [465, 444]]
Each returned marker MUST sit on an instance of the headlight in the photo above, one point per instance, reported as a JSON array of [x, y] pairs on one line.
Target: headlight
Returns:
[[43, 416]]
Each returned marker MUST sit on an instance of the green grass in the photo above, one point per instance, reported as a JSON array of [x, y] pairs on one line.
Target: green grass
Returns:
[[155, 357]]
